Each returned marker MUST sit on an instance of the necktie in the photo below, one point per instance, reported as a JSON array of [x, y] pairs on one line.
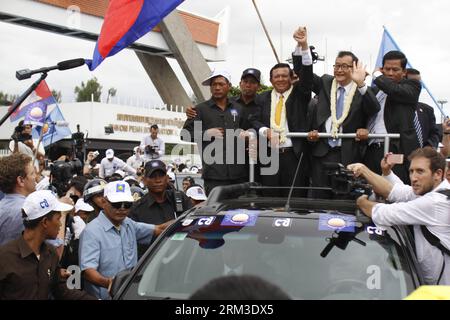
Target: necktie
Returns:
[[278, 110], [418, 128], [339, 110], [381, 97]]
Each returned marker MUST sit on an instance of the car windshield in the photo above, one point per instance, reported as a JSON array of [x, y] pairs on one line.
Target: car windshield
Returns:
[[306, 260]]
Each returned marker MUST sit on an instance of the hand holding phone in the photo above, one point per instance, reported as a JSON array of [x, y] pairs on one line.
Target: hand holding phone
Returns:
[[393, 159]]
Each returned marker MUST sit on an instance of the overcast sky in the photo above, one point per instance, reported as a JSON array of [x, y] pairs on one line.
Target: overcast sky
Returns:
[[419, 27]]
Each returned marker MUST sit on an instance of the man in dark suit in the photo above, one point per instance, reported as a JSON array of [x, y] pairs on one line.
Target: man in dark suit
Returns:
[[344, 104], [283, 110], [398, 99], [429, 131]]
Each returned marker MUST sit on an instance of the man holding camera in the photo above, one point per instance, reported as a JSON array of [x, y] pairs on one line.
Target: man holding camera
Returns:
[[424, 205], [23, 142], [153, 147]]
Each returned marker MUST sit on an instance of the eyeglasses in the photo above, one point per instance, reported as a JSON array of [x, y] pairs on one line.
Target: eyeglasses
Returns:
[[344, 67], [124, 205]]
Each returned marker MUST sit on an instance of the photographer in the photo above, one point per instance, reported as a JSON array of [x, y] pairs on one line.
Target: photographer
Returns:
[[22, 141], [153, 146], [424, 205]]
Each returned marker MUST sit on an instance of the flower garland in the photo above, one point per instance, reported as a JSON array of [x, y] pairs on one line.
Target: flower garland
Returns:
[[336, 123], [280, 129]]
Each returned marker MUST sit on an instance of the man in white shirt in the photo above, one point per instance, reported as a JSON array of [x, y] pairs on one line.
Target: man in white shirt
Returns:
[[26, 145], [137, 159], [111, 164], [153, 147], [422, 204]]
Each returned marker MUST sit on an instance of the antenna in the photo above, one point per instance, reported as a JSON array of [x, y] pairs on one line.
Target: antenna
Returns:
[[266, 32], [287, 206]]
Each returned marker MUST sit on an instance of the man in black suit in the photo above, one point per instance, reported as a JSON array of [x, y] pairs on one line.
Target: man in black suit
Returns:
[[429, 131], [344, 104], [398, 99], [283, 110]]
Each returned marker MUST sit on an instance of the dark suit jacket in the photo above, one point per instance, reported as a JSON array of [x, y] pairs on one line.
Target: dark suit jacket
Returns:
[[296, 111], [361, 110], [401, 103], [430, 130]]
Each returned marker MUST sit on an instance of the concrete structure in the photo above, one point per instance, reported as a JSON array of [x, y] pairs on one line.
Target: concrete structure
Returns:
[[190, 39]]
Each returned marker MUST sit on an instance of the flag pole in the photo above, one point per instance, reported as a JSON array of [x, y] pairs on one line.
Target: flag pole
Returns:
[[39, 144], [266, 32]]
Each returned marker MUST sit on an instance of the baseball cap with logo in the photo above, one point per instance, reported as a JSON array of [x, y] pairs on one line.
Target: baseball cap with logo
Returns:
[[255, 73], [118, 191], [40, 203], [215, 74], [154, 165], [196, 193], [110, 153]]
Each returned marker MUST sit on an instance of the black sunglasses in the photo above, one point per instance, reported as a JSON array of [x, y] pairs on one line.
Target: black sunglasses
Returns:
[[118, 205]]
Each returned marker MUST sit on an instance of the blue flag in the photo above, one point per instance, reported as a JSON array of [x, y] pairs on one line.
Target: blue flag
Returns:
[[125, 22], [388, 44], [52, 132]]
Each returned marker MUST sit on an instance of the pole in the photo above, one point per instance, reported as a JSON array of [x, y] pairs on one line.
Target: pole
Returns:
[[266, 32], [39, 144]]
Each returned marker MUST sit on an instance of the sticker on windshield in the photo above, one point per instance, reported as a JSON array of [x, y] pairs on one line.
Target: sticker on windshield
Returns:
[[187, 222], [282, 223], [240, 219], [375, 230], [329, 222], [205, 221], [180, 236]]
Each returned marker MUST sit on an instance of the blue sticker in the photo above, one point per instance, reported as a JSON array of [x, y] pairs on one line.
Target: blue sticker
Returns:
[[240, 218], [120, 188], [333, 222]]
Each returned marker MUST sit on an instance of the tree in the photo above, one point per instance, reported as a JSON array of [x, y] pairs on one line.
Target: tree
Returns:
[[92, 87], [7, 99], [57, 95], [236, 91], [111, 93]]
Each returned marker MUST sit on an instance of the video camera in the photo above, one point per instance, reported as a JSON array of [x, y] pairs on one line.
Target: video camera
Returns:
[[344, 183], [62, 172], [19, 136], [151, 150]]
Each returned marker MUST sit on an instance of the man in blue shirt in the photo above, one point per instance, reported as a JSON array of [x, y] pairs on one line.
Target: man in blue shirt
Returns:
[[108, 244], [17, 181]]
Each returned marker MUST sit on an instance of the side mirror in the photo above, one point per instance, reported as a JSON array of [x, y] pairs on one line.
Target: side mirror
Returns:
[[119, 280]]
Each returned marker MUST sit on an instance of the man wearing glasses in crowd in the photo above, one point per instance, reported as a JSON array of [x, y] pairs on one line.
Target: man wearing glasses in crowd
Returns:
[[108, 245]]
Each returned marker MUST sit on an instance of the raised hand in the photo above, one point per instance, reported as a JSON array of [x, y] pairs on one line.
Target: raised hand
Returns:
[[359, 73], [301, 36]]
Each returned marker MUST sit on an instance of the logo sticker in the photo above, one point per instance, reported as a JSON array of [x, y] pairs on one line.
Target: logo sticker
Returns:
[[179, 236], [240, 219], [330, 222], [120, 188], [187, 222], [44, 204], [206, 221], [375, 230], [284, 223]]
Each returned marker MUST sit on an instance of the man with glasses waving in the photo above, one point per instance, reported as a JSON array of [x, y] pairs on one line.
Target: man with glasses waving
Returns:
[[108, 245], [344, 104]]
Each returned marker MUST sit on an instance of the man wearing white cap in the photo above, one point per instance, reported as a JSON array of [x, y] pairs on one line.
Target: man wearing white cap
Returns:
[[111, 164], [108, 244], [196, 194], [215, 117], [137, 159], [29, 268]]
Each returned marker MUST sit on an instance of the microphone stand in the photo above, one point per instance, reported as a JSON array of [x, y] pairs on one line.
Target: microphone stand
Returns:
[[22, 98]]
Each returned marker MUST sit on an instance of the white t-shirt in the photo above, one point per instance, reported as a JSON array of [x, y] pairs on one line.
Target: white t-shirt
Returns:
[[431, 210], [107, 168]]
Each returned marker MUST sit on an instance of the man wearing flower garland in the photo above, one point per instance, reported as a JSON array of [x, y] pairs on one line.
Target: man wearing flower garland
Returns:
[[344, 104]]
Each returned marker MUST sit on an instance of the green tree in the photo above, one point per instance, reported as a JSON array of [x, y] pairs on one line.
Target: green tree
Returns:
[[57, 95], [236, 91], [92, 87], [7, 99]]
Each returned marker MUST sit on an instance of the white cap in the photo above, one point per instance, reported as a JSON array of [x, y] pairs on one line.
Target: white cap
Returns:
[[135, 149], [214, 74], [171, 175], [118, 191], [83, 206], [110, 153], [40, 203], [194, 169], [196, 193], [121, 173]]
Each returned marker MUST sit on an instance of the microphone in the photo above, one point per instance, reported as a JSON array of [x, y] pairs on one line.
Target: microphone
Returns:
[[63, 65]]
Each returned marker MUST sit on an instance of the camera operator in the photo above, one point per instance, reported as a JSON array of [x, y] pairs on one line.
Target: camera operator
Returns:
[[445, 151], [424, 205], [110, 164], [23, 142], [153, 147]]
